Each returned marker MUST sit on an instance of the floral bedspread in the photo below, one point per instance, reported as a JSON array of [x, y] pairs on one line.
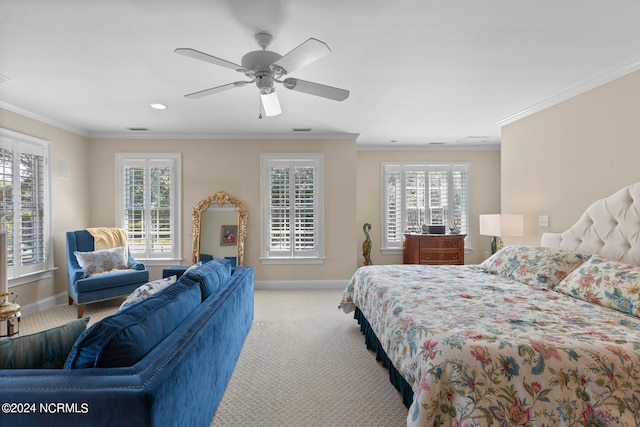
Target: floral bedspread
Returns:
[[479, 349]]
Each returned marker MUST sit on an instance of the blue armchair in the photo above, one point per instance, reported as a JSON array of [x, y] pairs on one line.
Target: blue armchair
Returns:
[[84, 290]]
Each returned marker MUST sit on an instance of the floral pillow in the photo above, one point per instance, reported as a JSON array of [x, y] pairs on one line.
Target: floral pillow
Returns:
[[146, 290], [102, 261], [607, 283], [538, 266]]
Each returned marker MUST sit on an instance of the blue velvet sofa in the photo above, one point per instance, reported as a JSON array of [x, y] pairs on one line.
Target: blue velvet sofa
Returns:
[[164, 361], [83, 290]]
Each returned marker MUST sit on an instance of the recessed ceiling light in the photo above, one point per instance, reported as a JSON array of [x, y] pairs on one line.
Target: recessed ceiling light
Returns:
[[158, 106], [393, 141]]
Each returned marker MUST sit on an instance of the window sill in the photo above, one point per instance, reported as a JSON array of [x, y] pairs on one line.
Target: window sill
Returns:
[[155, 262], [292, 260], [32, 277], [391, 251]]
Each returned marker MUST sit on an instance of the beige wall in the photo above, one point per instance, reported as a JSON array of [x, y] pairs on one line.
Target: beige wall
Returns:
[[233, 166], [558, 161], [69, 197], [484, 185]]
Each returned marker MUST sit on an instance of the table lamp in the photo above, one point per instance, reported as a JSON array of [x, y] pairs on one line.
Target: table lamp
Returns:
[[499, 226]]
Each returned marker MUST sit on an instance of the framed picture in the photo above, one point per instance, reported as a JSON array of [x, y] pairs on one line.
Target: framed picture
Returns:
[[228, 235]]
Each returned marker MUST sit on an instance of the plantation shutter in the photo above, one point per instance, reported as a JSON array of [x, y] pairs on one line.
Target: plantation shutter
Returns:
[[148, 207], [423, 193], [393, 204], [293, 210], [24, 203]]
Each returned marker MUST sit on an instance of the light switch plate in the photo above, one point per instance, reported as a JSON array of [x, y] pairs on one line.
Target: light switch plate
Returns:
[[543, 220]]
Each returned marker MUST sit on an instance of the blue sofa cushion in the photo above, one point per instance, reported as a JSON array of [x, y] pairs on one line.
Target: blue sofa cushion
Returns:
[[211, 275], [126, 337], [41, 350], [110, 280]]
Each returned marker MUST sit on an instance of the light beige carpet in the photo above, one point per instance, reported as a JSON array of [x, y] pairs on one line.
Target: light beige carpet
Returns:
[[304, 363]]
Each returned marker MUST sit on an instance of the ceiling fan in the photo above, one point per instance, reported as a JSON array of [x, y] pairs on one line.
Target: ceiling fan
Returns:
[[265, 68]]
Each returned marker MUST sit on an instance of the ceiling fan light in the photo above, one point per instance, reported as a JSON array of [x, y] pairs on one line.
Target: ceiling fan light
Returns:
[[265, 84], [271, 104]]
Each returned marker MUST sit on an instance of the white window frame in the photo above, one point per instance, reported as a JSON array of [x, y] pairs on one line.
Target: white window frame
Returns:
[[291, 256], [395, 246], [19, 273], [147, 160]]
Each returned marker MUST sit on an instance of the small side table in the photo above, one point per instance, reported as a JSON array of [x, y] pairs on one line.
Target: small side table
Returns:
[[10, 325], [433, 249]]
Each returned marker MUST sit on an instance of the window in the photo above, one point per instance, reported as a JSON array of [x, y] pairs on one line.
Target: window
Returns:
[[148, 203], [423, 193], [25, 208], [292, 223]]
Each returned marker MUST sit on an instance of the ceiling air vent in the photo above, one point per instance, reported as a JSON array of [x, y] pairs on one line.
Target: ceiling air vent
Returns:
[[138, 129], [301, 129]]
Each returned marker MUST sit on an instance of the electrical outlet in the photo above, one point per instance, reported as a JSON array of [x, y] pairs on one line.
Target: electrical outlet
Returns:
[[543, 220]]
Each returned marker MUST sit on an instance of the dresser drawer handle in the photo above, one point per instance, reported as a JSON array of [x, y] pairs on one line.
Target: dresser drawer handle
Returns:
[[454, 243], [455, 256]]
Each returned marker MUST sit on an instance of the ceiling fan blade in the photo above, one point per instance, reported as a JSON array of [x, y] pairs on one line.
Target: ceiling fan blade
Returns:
[[216, 89], [271, 104], [308, 52], [196, 54], [316, 89]]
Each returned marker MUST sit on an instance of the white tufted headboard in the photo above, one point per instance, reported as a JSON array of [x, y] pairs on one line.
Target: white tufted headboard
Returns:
[[609, 227]]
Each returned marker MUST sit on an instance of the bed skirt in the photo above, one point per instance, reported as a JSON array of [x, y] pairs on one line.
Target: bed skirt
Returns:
[[373, 344]]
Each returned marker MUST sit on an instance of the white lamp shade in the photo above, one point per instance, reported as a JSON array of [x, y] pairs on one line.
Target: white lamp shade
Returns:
[[501, 225]]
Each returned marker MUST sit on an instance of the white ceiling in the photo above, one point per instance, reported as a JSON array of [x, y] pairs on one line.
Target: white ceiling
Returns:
[[419, 71]]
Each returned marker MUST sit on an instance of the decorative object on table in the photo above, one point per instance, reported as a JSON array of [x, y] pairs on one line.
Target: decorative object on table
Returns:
[[228, 235], [499, 226], [413, 225], [366, 245], [9, 316], [436, 229], [454, 225]]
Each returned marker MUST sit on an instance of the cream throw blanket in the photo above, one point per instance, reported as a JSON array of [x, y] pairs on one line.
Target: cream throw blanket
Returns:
[[108, 237]]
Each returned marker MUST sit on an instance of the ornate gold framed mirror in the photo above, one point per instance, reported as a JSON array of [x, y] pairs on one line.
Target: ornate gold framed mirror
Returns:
[[219, 227]]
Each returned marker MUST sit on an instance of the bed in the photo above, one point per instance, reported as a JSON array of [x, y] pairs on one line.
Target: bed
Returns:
[[537, 336]]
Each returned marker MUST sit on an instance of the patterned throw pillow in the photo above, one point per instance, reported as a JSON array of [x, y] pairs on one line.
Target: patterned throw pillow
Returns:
[[146, 290], [607, 283], [102, 261], [41, 350], [538, 266]]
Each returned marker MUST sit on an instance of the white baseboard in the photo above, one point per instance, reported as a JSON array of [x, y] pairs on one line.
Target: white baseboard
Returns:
[[44, 304], [300, 284]]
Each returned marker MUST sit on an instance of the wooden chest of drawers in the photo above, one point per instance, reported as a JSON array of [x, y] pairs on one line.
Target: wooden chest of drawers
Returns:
[[433, 249]]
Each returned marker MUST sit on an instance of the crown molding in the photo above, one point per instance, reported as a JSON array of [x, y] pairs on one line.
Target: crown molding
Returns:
[[578, 89], [428, 147], [220, 136], [42, 119]]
